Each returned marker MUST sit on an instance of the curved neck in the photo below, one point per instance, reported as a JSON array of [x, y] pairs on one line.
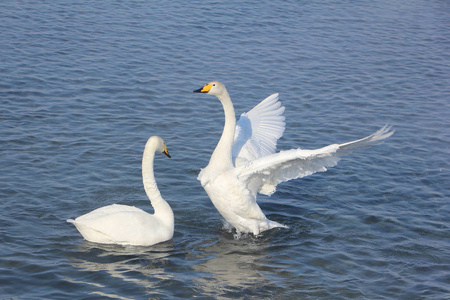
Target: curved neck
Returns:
[[160, 205], [222, 154]]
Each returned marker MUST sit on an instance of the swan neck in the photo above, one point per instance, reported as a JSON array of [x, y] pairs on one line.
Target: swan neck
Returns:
[[222, 153], [160, 206]]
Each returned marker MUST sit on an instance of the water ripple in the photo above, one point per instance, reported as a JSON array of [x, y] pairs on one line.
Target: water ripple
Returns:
[[84, 85]]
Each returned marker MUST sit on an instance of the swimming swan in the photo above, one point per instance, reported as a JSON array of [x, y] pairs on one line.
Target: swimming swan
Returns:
[[244, 162], [128, 225]]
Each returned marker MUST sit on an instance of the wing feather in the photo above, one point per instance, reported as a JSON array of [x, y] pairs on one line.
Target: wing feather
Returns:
[[264, 174], [258, 131]]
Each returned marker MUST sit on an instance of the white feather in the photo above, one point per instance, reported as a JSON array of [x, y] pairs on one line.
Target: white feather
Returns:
[[258, 131]]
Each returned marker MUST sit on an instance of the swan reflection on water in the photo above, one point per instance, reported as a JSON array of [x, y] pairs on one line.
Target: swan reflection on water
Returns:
[[231, 266], [142, 266], [220, 266]]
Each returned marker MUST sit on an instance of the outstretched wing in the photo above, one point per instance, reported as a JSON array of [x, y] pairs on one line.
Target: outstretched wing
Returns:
[[263, 175], [258, 130]]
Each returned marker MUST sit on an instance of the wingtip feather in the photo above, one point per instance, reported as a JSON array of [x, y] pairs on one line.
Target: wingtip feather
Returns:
[[374, 139]]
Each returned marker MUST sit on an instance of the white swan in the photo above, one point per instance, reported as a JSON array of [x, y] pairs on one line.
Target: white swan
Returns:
[[128, 225], [244, 162]]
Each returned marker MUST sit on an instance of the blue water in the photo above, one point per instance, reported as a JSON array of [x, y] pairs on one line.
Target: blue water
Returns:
[[83, 85]]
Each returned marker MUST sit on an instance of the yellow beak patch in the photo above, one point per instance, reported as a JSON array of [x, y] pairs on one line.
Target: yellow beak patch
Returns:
[[205, 89], [166, 152]]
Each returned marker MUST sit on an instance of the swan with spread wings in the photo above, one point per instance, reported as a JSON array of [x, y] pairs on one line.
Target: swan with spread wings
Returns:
[[244, 162]]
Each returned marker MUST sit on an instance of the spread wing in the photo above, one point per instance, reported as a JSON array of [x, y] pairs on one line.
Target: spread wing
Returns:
[[262, 175], [258, 131]]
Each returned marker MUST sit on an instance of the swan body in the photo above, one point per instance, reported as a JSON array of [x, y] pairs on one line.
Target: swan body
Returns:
[[244, 162], [128, 225]]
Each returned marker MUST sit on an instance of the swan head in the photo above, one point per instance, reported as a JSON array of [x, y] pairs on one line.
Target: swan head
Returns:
[[157, 144], [214, 88]]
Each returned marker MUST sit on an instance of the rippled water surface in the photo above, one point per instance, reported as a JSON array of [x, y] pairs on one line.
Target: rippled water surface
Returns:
[[83, 85]]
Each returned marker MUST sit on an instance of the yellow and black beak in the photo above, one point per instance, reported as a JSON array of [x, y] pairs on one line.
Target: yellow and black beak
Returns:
[[205, 89], [166, 152]]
